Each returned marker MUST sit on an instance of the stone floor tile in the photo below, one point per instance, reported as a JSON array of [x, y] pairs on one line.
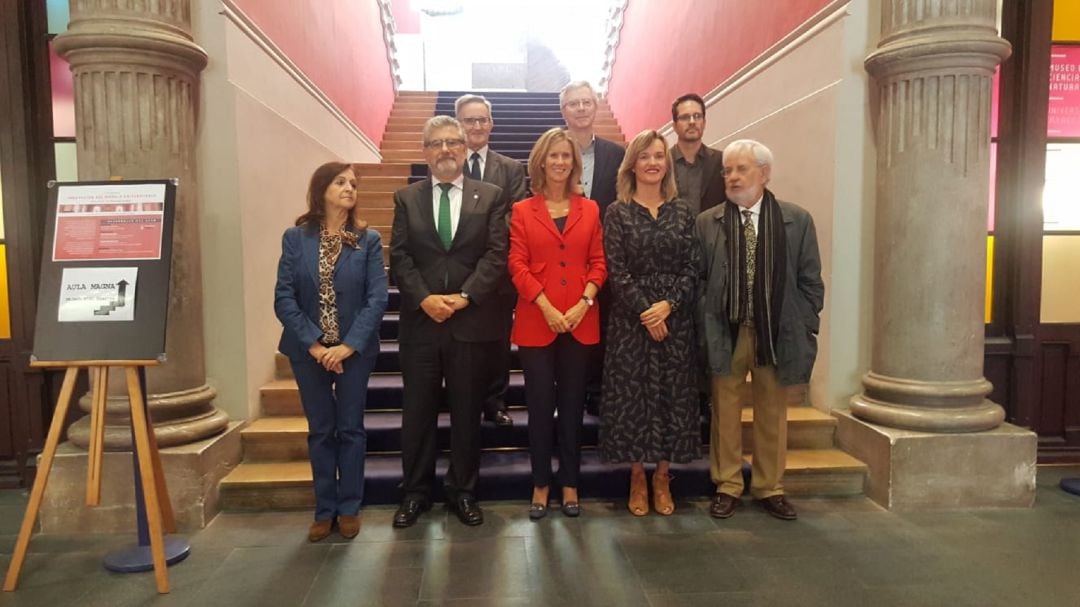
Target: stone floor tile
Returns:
[[263, 575], [476, 567]]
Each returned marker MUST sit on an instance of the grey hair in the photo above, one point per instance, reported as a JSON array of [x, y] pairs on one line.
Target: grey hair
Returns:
[[762, 154], [438, 122], [464, 99], [573, 86]]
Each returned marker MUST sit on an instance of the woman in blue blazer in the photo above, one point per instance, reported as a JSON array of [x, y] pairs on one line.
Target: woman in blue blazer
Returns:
[[330, 297]]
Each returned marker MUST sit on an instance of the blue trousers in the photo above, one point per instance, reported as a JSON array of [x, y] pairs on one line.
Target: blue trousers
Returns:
[[337, 443]]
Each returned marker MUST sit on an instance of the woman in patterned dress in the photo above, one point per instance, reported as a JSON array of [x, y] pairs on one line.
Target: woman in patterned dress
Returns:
[[650, 409], [330, 296]]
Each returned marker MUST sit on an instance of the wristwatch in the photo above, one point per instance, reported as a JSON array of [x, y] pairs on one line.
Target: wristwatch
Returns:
[[464, 295], [588, 300], [674, 305]]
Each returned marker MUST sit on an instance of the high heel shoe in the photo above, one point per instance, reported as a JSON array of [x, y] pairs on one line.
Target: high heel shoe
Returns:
[[662, 501], [639, 493], [537, 511]]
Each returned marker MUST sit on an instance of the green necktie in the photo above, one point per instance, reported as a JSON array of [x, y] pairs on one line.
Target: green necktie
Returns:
[[445, 234]]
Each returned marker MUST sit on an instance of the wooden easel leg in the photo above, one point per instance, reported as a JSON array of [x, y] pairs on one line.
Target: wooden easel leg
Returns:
[[38, 491], [146, 471], [168, 519], [99, 397]]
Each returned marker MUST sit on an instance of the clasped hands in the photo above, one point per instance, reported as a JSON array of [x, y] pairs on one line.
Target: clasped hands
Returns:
[[654, 319], [560, 322], [331, 358], [442, 307]]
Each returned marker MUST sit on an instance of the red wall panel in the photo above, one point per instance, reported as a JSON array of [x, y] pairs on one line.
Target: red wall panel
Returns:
[[670, 48], [406, 16], [339, 45]]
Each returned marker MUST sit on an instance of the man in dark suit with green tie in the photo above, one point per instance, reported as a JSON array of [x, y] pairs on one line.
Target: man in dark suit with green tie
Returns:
[[448, 250]]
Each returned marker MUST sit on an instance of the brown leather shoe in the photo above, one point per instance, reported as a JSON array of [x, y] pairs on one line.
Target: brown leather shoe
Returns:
[[348, 525], [639, 494], [778, 506], [723, 505], [661, 488], [319, 530]]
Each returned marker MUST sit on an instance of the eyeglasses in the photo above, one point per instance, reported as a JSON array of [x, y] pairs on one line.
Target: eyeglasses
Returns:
[[452, 144], [741, 169], [579, 103], [481, 121], [696, 117]]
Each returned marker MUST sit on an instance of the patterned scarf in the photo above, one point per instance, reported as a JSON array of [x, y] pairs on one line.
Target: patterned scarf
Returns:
[[768, 280], [329, 250]]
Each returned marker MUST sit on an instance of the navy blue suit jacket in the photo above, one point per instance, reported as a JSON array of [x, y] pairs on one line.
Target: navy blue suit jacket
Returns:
[[360, 283]]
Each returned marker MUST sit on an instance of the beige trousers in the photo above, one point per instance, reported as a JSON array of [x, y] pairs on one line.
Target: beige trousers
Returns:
[[769, 429]]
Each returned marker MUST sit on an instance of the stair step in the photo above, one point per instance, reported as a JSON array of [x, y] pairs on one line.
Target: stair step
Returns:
[[506, 476], [388, 360], [281, 396], [385, 169], [284, 438], [380, 183]]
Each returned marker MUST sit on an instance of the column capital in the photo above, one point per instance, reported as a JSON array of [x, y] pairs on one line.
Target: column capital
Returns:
[[932, 35], [154, 35]]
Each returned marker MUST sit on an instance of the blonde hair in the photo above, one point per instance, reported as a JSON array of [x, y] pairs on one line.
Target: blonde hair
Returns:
[[539, 154], [626, 182]]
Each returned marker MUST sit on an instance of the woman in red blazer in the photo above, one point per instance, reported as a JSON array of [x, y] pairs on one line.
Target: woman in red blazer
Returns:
[[557, 264]]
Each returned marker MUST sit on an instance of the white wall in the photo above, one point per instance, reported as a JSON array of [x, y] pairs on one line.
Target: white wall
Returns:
[[807, 99], [263, 127]]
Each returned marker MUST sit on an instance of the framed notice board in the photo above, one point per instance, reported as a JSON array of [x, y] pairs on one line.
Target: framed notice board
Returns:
[[104, 290]]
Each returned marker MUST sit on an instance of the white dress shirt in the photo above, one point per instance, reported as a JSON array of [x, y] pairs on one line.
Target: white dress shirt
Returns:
[[755, 214], [455, 201]]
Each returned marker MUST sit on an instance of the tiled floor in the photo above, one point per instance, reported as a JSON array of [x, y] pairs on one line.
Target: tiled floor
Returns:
[[840, 552]]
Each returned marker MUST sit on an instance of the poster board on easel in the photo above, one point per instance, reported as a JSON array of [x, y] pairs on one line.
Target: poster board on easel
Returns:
[[102, 302], [105, 271]]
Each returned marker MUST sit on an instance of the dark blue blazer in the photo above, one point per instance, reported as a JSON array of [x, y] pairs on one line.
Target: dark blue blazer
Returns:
[[360, 282]]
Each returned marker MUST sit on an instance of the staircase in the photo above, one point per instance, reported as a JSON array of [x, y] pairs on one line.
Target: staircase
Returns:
[[275, 472]]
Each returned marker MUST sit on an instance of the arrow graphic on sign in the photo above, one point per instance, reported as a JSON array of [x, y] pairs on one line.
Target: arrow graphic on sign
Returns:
[[121, 293], [121, 297]]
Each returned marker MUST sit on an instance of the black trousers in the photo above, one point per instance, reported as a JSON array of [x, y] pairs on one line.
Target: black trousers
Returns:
[[463, 366], [499, 381], [555, 382]]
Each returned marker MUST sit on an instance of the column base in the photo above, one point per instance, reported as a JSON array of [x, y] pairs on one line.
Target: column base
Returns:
[[959, 406], [911, 470], [179, 418], [192, 473]]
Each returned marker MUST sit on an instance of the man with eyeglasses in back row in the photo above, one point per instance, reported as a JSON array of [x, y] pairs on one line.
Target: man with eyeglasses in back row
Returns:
[[699, 169], [485, 164], [600, 160], [448, 250]]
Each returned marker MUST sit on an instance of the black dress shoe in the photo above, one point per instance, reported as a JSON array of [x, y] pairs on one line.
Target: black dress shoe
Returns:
[[500, 418], [409, 511], [723, 505], [537, 511], [778, 506], [571, 509], [467, 510]]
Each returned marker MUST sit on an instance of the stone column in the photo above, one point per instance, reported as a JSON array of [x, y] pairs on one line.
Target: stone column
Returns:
[[933, 69], [136, 72], [923, 423]]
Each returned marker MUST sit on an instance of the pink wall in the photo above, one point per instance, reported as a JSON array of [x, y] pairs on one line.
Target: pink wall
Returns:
[[406, 16], [670, 48], [339, 45]]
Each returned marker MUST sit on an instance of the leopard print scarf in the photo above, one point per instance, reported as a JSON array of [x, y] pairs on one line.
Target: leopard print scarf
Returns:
[[329, 250]]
